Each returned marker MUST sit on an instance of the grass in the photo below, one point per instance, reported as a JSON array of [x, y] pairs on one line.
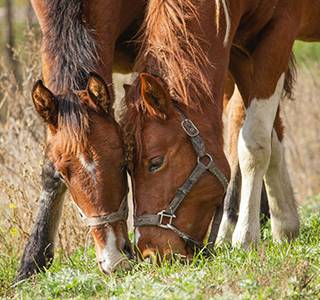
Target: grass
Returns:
[[307, 53], [287, 271]]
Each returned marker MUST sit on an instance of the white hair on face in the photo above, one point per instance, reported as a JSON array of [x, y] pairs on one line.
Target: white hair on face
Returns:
[[110, 257], [89, 166]]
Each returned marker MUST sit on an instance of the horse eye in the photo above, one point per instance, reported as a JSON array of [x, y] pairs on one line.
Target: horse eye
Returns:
[[155, 163]]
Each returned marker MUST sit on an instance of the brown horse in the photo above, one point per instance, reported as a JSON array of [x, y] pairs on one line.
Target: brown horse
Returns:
[[84, 143], [192, 53], [179, 169]]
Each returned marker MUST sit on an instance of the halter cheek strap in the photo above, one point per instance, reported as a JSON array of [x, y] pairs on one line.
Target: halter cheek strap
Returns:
[[205, 163]]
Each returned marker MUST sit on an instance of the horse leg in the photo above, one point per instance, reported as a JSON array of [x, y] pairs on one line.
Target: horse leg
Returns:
[[254, 146], [283, 209], [254, 155], [235, 116], [39, 249]]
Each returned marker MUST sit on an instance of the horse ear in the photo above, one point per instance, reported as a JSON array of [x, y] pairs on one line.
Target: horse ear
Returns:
[[98, 91], [155, 95], [45, 103]]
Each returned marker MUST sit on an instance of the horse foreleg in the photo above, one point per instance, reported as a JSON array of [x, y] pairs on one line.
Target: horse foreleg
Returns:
[[39, 249], [254, 156], [284, 216]]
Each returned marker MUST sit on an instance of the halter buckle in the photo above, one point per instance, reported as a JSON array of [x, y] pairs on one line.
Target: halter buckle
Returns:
[[189, 128], [163, 214]]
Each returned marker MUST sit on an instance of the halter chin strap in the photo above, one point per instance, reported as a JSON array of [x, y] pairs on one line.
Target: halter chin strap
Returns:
[[120, 215], [205, 163]]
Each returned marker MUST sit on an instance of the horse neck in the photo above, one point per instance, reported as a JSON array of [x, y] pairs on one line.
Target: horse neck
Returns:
[[310, 22]]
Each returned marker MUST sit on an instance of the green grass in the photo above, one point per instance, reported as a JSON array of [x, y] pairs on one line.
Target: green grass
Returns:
[[287, 271], [307, 53]]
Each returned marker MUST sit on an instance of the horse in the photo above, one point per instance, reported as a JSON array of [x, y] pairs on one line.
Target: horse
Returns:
[[84, 147], [187, 49], [173, 130]]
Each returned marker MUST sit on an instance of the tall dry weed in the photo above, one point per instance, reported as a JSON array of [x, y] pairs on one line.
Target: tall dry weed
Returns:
[[302, 132], [22, 140]]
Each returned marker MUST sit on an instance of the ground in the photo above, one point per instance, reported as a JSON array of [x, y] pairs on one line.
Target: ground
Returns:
[[272, 271]]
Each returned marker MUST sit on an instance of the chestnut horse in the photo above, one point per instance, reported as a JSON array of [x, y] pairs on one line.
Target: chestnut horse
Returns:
[[192, 53], [174, 130], [84, 144]]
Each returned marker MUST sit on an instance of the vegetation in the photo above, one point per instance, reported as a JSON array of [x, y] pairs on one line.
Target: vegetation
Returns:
[[307, 53], [272, 271], [287, 271]]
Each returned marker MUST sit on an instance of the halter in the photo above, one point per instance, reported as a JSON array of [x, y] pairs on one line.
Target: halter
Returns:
[[99, 221], [205, 162]]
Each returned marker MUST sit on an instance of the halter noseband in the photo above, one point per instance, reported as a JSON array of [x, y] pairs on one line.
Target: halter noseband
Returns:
[[205, 163], [99, 221]]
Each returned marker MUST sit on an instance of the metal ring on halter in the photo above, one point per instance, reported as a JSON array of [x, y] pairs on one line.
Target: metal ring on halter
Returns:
[[200, 158], [163, 214]]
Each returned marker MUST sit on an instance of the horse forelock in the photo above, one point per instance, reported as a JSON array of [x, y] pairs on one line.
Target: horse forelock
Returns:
[[73, 123]]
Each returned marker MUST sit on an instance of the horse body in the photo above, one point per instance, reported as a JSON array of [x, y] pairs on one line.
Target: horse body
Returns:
[[254, 39], [84, 144], [267, 56]]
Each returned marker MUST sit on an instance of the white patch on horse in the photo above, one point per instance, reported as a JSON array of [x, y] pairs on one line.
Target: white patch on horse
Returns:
[[110, 257], [254, 148], [225, 230], [283, 209], [90, 167]]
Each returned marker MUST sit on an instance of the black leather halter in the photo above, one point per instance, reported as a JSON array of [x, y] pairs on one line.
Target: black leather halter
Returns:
[[205, 163]]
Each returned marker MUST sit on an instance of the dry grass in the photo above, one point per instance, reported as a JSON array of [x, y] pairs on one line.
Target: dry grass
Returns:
[[302, 134], [22, 136]]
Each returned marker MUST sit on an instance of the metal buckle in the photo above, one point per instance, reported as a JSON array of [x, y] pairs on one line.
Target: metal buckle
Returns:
[[163, 214], [189, 128], [209, 157]]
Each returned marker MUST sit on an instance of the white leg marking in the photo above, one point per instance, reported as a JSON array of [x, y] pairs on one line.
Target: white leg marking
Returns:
[[284, 215], [225, 230], [254, 149], [110, 257]]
